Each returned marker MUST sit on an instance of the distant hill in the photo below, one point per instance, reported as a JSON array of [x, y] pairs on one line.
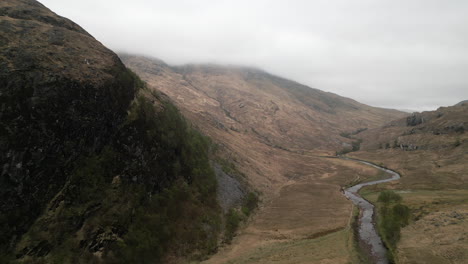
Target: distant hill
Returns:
[[430, 150], [462, 102], [426, 130], [253, 103], [266, 125]]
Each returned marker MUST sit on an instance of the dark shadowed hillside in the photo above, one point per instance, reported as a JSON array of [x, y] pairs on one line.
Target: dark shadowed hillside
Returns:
[[95, 168]]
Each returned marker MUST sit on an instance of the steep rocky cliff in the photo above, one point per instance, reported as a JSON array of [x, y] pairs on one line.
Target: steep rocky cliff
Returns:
[[62, 95], [88, 154]]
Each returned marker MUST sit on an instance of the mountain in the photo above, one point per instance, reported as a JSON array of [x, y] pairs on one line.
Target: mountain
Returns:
[[99, 166], [252, 102], [95, 167], [430, 150], [274, 134], [430, 130], [256, 116]]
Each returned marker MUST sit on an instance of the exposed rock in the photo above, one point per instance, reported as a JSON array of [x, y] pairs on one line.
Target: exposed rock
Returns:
[[230, 190], [41, 249], [414, 120], [408, 147]]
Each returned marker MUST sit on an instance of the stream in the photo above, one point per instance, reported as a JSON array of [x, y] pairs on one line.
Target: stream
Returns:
[[367, 230]]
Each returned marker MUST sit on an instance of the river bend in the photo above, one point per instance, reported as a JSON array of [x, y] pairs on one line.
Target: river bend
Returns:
[[367, 229]]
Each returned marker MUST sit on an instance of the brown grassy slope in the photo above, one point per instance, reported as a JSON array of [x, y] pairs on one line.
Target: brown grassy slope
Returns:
[[430, 150], [260, 119], [279, 112], [272, 129]]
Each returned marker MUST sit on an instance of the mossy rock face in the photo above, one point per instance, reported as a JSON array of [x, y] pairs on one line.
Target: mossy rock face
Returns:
[[54, 107], [86, 154]]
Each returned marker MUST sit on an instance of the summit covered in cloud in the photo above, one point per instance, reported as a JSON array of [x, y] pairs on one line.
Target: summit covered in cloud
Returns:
[[398, 54]]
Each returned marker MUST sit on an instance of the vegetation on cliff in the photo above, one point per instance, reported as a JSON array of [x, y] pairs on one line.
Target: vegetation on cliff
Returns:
[[95, 168]]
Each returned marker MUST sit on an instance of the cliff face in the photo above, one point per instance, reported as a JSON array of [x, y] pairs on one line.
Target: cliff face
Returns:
[[84, 148], [62, 95]]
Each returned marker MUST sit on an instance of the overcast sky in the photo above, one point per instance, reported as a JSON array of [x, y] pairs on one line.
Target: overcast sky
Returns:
[[389, 53]]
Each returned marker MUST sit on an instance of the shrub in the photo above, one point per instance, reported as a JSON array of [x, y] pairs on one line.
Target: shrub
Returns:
[[233, 219], [388, 197], [345, 134], [355, 146], [391, 219], [250, 203]]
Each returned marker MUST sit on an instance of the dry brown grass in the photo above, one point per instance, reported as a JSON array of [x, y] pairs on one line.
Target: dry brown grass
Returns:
[[299, 214], [333, 248], [273, 131], [438, 232], [270, 109], [434, 185]]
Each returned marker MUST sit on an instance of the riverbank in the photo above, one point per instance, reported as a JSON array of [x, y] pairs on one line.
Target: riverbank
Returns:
[[308, 221], [367, 230]]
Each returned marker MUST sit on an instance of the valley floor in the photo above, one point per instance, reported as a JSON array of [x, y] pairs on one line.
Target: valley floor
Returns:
[[434, 187], [306, 221], [439, 234]]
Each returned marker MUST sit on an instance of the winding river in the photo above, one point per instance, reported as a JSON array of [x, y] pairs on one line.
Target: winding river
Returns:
[[367, 230]]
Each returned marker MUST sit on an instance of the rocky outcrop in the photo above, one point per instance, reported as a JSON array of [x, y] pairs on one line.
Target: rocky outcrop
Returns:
[[414, 120], [443, 128], [230, 191], [462, 103]]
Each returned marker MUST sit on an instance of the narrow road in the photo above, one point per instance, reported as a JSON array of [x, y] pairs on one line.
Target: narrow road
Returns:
[[367, 230]]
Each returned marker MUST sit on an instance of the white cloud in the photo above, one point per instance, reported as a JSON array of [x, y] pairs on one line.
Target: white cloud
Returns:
[[390, 53]]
